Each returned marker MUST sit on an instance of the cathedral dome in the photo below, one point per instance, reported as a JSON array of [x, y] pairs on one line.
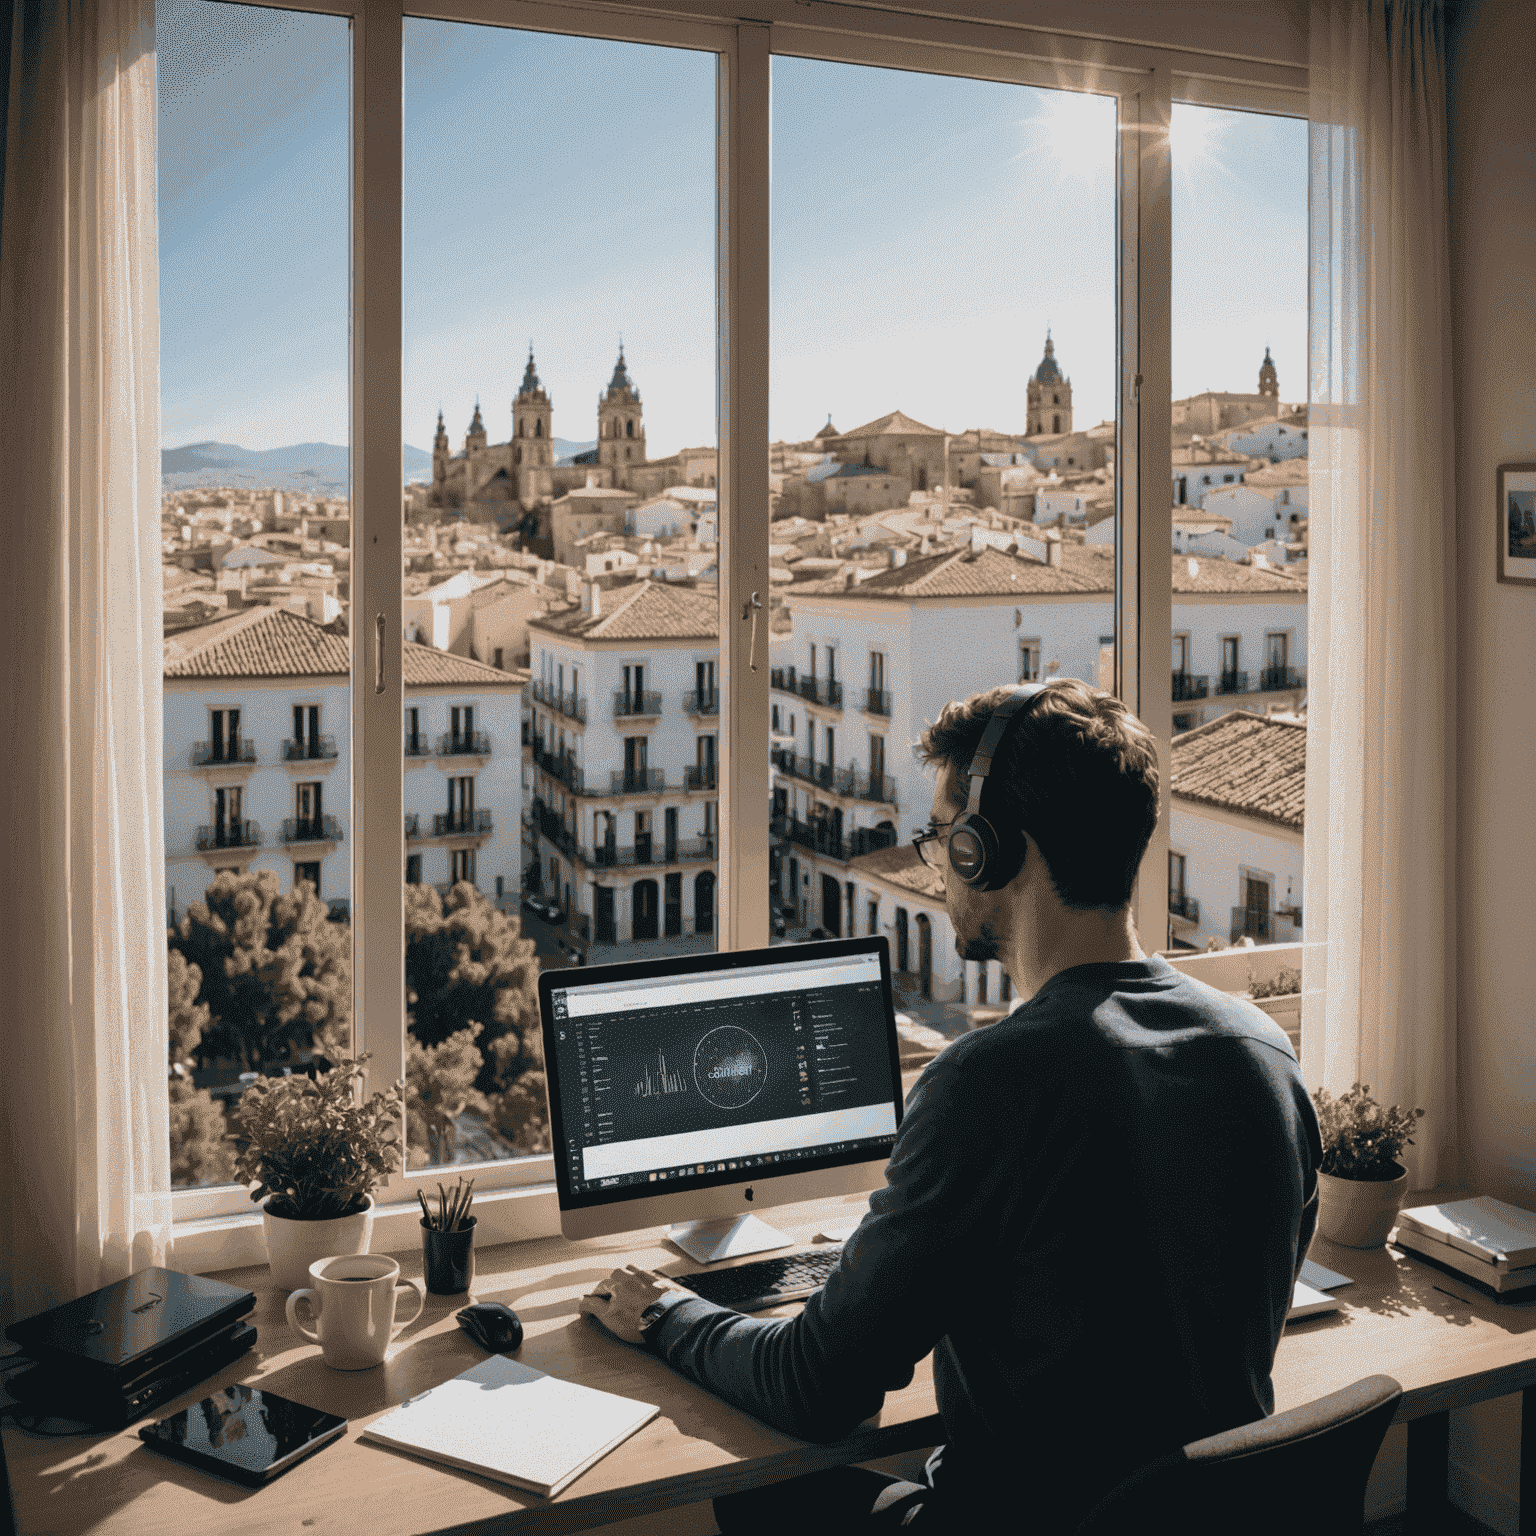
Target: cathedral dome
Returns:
[[621, 379], [530, 383]]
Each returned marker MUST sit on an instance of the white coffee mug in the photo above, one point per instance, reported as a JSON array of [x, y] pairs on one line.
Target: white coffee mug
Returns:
[[353, 1300]]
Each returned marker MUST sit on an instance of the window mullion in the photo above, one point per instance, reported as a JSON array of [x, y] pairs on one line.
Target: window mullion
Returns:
[[378, 847], [742, 425], [1144, 451]]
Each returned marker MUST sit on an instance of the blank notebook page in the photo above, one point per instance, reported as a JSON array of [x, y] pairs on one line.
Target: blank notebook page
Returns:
[[510, 1422]]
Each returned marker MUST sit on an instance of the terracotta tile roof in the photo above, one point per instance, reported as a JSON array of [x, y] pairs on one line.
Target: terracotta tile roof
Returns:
[[902, 866], [272, 642], [648, 610], [896, 422], [1245, 763]]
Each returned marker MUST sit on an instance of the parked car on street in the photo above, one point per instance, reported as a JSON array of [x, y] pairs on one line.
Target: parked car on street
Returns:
[[543, 907]]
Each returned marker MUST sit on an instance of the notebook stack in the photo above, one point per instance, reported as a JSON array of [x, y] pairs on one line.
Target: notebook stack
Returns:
[[1486, 1240]]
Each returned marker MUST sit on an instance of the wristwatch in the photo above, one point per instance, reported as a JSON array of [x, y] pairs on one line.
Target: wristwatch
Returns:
[[652, 1315]]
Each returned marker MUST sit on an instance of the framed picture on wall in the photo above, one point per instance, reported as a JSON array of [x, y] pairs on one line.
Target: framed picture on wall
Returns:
[[1517, 524]]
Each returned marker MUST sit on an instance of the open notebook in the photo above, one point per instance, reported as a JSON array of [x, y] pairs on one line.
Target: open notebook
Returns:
[[508, 1421]]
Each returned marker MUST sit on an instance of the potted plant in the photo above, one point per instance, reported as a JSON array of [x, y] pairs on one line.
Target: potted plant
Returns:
[[315, 1153], [1361, 1184]]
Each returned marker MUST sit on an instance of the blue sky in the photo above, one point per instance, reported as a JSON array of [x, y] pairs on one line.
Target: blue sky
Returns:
[[925, 232]]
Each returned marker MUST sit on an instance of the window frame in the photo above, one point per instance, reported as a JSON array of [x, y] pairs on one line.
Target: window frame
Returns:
[[218, 1227]]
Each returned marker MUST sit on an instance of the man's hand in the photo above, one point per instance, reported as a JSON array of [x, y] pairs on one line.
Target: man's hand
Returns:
[[620, 1299]]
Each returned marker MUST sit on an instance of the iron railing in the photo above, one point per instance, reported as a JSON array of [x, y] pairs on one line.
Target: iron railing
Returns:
[[1187, 686], [782, 678], [822, 690], [463, 743], [569, 703], [241, 751], [341, 909], [559, 766], [412, 825], [689, 850], [636, 704], [418, 744], [1232, 682], [878, 702], [229, 834], [311, 829], [705, 703], [636, 781], [700, 776], [1273, 678], [461, 823], [310, 747], [818, 836], [1183, 905]]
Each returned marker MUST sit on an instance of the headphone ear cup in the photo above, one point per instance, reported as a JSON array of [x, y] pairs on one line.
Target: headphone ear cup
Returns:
[[972, 850], [1012, 850]]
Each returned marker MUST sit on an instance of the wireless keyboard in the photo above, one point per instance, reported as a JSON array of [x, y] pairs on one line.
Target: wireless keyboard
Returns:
[[767, 1282]]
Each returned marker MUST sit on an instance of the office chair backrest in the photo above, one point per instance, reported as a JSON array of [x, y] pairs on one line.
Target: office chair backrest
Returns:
[[1298, 1473]]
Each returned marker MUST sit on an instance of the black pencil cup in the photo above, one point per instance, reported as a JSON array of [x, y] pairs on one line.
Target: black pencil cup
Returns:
[[449, 1258]]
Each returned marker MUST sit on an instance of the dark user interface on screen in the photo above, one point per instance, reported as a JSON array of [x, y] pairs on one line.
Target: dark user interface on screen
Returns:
[[703, 1066]]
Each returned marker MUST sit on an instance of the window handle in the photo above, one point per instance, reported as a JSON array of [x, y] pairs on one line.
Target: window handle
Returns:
[[378, 654], [751, 609]]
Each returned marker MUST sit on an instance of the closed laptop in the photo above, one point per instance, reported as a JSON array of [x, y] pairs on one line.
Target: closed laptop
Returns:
[[123, 1331]]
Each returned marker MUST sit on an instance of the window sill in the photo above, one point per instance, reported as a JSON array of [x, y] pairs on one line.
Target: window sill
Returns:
[[231, 1242]]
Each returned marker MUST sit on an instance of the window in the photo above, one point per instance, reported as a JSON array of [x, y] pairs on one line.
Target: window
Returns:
[[308, 870], [1029, 661], [814, 124]]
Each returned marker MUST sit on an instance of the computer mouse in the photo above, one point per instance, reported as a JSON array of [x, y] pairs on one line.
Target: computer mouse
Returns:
[[493, 1326]]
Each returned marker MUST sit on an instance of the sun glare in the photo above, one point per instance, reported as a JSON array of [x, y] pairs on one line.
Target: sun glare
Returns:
[[1076, 131], [1192, 136]]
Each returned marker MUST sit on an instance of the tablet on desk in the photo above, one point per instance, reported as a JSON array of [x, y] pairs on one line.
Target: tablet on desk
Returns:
[[245, 1434]]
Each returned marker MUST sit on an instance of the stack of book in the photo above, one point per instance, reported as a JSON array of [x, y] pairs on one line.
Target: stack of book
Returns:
[[1486, 1240]]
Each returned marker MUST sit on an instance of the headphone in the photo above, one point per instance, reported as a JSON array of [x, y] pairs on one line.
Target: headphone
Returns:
[[980, 856]]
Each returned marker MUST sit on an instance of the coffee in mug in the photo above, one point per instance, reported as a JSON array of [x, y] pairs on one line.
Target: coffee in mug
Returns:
[[353, 1299]]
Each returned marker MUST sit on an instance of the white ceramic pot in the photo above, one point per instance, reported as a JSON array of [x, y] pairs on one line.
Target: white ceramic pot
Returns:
[[292, 1246], [1358, 1213]]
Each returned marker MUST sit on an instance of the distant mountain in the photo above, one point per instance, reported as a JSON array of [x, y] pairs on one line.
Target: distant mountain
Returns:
[[319, 468]]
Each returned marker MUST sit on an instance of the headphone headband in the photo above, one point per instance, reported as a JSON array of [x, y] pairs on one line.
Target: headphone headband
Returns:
[[986, 749]]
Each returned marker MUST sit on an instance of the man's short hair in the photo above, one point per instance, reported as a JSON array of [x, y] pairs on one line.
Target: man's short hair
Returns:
[[1076, 769]]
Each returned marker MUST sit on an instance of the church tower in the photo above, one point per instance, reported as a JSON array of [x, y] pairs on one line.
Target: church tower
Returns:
[[1269, 380], [475, 437], [620, 424], [533, 414], [1048, 396], [439, 462]]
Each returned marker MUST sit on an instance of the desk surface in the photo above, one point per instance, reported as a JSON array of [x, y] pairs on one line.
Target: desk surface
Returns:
[[1444, 1343]]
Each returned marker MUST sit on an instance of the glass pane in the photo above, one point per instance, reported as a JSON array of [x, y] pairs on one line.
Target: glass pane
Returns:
[[942, 404], [256, 540], [1240, 532], [562, 697]]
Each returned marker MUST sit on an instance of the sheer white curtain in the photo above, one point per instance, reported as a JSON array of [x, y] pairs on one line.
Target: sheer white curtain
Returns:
[[1378, 998], [85, 1159]]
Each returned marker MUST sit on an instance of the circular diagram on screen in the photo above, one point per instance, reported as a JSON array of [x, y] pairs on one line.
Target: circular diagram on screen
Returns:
[[729, 1067]]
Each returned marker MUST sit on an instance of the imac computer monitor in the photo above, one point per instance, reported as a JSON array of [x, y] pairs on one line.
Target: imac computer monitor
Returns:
[[699, 1089]]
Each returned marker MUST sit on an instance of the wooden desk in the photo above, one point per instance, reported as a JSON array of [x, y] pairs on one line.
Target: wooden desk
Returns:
[[1447, 1347]]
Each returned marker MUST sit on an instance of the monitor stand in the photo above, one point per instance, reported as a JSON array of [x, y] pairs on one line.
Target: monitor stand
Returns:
[[729, 1237]]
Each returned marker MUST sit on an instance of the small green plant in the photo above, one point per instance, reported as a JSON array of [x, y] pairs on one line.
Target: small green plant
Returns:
[[1361, 1140], [1283, 984], [311, 1145]]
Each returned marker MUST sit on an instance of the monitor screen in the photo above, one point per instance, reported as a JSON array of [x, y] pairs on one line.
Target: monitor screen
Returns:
[[706, 1070]]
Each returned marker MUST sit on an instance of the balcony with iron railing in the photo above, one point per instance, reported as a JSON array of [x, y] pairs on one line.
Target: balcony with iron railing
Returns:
[[636, 781], [418, 744], [464, 744], [705, 703], [877, 701], [1186, 685], [561, 766], [462, 823], [1278, 679], [229, 834], [548, 822], [641, 704], [782, 678], [309, 749], [341, 909], [700, 776], [221, 754], [412, 825], [825, 691], [569, 703], [1232, 682], [311, 829], [1183, 907], [818, 837]]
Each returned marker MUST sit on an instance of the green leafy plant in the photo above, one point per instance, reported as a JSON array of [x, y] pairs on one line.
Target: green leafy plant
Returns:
[[1286, 982], [1361, 1140], [312, 1146]]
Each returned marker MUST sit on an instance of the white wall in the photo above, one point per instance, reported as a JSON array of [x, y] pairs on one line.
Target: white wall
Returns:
[[1256, 514], [1207, 620], [1267, 440], [1493, 231], [1219, 848]]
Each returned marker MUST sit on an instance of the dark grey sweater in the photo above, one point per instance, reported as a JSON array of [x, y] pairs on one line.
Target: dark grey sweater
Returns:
[[1093, 1215]]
